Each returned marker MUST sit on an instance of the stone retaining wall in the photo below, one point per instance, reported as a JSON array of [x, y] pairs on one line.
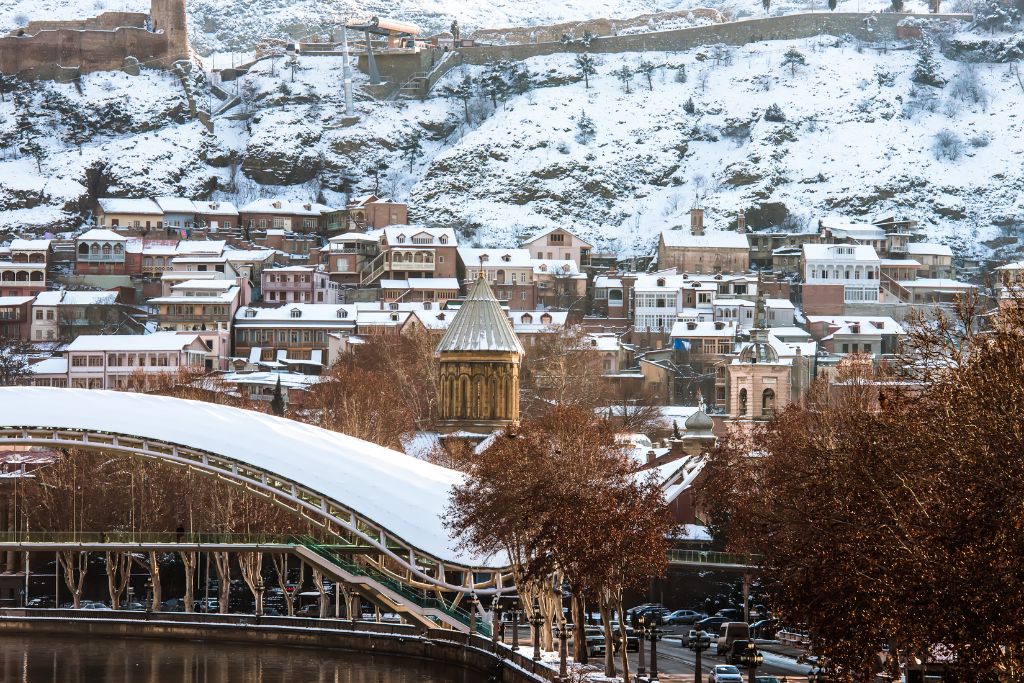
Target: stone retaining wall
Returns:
[[472, 653], [867, 27]]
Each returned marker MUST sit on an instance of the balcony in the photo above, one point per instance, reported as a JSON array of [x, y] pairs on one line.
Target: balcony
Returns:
[[195, 319], [405, 266], [101, 258]]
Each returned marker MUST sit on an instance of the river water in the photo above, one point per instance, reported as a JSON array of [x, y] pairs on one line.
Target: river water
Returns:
[[84, 660]]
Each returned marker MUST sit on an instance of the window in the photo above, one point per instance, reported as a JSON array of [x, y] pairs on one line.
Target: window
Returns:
[[95, 361], [768, 402], [556, 238], [443, 239], [743, 402], [522, 295], [296, 313], [39, 315], [440, 258]]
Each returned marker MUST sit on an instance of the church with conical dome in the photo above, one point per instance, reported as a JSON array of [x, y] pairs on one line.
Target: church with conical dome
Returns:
[[479, 358]]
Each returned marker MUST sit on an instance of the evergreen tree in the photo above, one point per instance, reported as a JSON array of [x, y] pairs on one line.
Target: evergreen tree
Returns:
[[927, 70], [625, 76], [774, 113], [767, 4], [832, 5], [585, 129], [897, 5], [585, 64], [793, 58], [681, 76], [277, 403], [455, 31], [411, 146], [689, 107], [463, 92], [647, 70], [521, 80], [494, 84]]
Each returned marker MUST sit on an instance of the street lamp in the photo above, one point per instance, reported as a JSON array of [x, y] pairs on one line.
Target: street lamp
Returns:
[[563, 652], [498, 628], [515, 624], [149, 596], [536, 621], [752, 659], [653, 621], [701, 641], [640, 626], [473, 603]]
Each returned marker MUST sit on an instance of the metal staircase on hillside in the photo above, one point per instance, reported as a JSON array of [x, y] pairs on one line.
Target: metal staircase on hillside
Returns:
[[375, 269], [405, 600]]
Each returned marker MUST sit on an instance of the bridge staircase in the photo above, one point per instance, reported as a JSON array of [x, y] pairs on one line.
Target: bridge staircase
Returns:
[[410, 602]]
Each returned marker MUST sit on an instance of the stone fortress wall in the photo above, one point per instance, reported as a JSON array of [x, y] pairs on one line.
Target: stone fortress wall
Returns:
[[62, 50], [867, 27]]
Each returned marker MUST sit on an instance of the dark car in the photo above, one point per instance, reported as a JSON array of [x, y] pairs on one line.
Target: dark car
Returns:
[[735, 650], [766, 679], [711, 624], [172, 605], [730, 614], [764, 629], [632, 641]]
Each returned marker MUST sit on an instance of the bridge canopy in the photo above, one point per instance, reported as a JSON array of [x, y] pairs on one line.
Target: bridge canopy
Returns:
[[404, 495]]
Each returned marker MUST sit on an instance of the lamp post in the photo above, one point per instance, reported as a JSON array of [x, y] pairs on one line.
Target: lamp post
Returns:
[[497, 628], [640, 625], [536, 621], [473, 603], [563, 652], [515, 624], [653, 621], [701, 641], [149, 597], [751, 659]]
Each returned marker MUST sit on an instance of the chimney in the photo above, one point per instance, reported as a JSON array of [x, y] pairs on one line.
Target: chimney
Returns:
[[651, 457], [741, 222], [696, 221]]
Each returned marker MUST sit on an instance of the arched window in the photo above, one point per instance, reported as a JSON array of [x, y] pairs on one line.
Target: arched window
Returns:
[[615, 295], [83, 249], [37, 276], [118, 249], [743, 402], [95, 249], [768, 402], [106, 250], [418, 258], [22, 276], [500, 277], [443, 239]]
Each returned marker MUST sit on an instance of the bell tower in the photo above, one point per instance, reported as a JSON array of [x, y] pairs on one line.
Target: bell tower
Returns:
[[168, 17], [479, 366]]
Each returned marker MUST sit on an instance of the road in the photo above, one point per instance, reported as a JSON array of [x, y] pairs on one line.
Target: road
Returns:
[[679, 661]]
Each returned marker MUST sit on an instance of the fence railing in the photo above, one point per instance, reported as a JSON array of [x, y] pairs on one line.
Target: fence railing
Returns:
[[711, 557]]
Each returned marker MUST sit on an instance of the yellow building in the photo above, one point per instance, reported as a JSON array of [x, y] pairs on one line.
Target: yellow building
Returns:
[[479, 366]]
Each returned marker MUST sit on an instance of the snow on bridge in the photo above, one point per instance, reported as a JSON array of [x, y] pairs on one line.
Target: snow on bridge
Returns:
[[403, 495]]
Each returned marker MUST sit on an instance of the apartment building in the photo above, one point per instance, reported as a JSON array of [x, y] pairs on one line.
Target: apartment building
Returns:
[[299, 284], [839, 274]]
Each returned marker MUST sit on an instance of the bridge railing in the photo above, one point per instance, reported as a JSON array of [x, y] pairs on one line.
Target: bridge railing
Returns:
[[414, 595], [712, 557]]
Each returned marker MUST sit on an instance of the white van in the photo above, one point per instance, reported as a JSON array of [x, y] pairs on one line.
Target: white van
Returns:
[[730, 631]]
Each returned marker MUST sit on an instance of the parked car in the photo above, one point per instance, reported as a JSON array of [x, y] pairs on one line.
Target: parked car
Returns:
[[172, 605], [93, 605], [765, 628], [632, 641], [730, 614], [595, 645], [312, 610], [206, 606], [711, 624], [766, 679], [725, 673], [134, 607], [646, 606], [44, 602], [682, 617]]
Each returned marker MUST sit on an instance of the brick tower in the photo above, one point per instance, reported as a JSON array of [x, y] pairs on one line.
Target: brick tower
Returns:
[[169, 16]]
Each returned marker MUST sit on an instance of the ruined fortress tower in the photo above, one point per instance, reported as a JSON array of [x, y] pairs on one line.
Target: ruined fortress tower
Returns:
[[62, 50]]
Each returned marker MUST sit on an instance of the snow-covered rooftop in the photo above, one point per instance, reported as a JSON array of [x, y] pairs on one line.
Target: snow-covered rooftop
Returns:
[[157, 341], [840, 252], [285, 207], [216, 208], [175, 205], [684, 329], [73, 298], [929, 249], [143, 206], [716, 239], [495, 259], [102, 234], [404, 495], [335, 314], [29, 245]]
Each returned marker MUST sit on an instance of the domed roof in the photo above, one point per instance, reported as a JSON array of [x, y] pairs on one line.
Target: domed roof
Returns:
[[480, 325], [759, 350], [699, 422]]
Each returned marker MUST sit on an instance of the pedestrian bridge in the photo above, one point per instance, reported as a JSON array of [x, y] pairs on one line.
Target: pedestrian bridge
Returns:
[[363, 495]]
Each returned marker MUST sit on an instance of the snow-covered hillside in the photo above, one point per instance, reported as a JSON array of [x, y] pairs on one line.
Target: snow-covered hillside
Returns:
[[223, 25], [859, 138]]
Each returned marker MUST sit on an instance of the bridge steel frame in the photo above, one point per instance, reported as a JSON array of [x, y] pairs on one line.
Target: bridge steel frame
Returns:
[[310, 504]]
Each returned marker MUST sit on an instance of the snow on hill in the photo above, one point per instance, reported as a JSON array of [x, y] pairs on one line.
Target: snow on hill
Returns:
[[858, 139], [223, 25]]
